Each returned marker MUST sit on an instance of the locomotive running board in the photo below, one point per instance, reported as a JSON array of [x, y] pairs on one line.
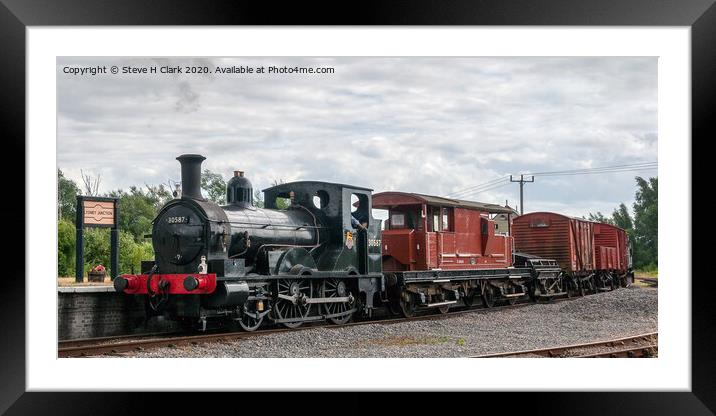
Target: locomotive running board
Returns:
[[337, 299]]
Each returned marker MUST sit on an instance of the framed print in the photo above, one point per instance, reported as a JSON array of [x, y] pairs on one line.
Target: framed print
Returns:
[[120, 91]]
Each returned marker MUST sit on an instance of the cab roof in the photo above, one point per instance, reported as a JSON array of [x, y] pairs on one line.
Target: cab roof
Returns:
[[385, 200]]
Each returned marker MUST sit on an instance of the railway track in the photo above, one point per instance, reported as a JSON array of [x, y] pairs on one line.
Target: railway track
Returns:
[[128, 343], [649, 281], [643, 345]]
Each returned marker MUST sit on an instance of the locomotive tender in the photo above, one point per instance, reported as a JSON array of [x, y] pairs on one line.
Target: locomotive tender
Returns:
[[312, 254]]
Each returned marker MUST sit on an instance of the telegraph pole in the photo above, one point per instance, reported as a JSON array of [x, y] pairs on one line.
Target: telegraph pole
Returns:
[[522, 181]]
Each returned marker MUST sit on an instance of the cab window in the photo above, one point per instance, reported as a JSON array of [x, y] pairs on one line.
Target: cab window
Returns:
[[397, 220], [447, 219], [434, 219]]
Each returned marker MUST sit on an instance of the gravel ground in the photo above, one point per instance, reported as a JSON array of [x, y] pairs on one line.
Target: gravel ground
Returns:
[[602, 316]]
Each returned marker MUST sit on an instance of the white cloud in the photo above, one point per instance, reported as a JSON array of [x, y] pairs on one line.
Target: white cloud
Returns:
[[430, 125]]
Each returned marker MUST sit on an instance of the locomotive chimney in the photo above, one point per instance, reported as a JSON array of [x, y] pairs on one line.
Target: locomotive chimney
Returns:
[[191, 176]]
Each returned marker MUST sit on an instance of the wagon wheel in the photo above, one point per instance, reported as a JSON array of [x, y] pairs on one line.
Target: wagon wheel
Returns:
[[531, 292], [444, 309], [285, 309], [394, 307], [600, 283], [408, 306], [336, 288], [582, 290], [469, 299], [625, 281], [249, 323], [593, 283], [488, 297], [567, 287]]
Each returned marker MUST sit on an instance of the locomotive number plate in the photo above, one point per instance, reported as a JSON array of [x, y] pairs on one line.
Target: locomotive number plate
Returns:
[[178, 220]]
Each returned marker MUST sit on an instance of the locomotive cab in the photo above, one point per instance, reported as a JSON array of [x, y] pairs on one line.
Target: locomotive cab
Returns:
[[340, 245]]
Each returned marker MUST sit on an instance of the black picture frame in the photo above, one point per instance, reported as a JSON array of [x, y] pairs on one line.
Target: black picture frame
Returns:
[[16, 15]]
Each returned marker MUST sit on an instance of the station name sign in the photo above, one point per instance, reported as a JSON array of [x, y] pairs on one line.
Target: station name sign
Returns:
[[98, 212]]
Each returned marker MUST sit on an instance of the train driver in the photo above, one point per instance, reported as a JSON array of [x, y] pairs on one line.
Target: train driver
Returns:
[[358, 220]]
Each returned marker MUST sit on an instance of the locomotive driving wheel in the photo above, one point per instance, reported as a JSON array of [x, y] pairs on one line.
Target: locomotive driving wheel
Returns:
[[295, 309], [248, 320], [336, 288]]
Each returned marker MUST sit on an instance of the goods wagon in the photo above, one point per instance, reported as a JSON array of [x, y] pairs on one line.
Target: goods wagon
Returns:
[[612, 249], [593, 256], [568, 240]]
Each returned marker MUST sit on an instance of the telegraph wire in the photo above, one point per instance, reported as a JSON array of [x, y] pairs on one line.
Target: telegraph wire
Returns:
[[479, 186], [505, 180], [597, 169]]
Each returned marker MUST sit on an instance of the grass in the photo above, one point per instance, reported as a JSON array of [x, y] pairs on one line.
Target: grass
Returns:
[[650, 271]]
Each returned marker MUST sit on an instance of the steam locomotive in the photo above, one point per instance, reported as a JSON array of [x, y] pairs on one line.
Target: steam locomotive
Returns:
[[315, 252]]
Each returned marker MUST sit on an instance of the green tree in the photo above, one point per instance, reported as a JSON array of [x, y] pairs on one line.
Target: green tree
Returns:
[[131, 253], [622, 219], [137, 210], [65, 248], [281, 203], [96, 248], [159, 195], [214, 186], [258, 199], [646, 230], [599, 217], [67, 191]]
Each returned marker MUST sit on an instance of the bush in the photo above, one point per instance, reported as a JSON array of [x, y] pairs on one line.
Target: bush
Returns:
[[97, 250], [132, 253], [65, 248]]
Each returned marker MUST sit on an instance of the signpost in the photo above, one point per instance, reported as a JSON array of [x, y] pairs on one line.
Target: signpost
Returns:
[[94, 211]]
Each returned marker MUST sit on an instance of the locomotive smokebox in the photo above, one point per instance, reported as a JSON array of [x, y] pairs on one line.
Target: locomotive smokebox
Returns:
[[191, 176]]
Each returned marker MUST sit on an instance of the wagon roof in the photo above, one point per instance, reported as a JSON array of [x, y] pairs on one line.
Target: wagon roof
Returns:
[[567, 216], [529, 214], [405, 198]]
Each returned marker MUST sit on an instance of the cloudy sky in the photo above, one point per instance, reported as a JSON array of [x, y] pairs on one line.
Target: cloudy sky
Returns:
[[428, 125]]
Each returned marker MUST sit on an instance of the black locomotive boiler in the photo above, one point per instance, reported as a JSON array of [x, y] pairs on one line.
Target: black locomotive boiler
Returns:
[[315, 258]]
